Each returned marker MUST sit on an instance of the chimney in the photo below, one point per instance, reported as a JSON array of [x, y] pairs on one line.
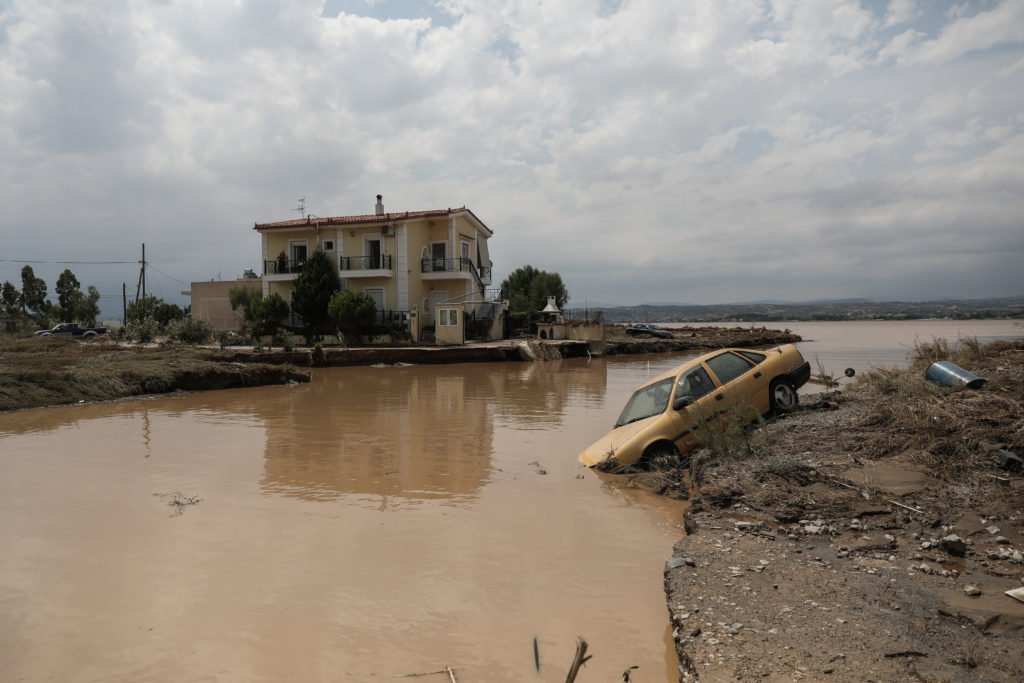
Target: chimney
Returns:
[[380, 205]]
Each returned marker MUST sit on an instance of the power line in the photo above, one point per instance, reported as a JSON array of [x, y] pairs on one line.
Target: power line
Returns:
[[63, 263], [183, 284]]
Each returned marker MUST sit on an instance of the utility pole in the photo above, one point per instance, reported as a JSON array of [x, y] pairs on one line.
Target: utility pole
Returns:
[[124, 303], [140, 286]]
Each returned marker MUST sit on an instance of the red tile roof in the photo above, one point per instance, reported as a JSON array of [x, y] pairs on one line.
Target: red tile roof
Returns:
[[311, 221]]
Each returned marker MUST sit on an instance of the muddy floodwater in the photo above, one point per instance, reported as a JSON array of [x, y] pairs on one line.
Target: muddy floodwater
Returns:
[[376, 522]]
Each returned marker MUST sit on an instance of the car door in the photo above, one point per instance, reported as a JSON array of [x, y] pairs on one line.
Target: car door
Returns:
[[741, 383], [703, 400]]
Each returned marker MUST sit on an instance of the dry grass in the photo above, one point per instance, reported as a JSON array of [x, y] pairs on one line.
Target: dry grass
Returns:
[[46, 371], [949, 431]]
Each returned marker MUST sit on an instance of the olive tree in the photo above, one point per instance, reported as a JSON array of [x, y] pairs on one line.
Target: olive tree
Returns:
[[527, 290]]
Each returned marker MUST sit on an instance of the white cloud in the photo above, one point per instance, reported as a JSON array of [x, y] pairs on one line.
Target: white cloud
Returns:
[[651, 148]]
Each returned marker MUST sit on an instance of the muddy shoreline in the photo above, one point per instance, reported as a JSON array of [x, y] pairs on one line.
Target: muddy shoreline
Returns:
[[845, 550], [38, 372]]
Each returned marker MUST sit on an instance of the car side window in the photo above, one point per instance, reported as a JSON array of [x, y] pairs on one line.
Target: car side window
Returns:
[[752, 356], [728, 366], [694, 383]]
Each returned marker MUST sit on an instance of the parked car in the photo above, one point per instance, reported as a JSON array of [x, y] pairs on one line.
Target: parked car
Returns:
[[73, 330], [662, 416], [647, 328]]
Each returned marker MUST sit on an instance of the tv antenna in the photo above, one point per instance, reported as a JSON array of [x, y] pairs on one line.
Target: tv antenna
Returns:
[[301, 208]]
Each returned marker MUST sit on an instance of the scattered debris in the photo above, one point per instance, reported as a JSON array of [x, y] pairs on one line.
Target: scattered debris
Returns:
[[178, 501], [579, 660], [1009, 461], [945, 374]]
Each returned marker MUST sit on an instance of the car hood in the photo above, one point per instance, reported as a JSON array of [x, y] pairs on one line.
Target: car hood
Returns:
[[612, 442]]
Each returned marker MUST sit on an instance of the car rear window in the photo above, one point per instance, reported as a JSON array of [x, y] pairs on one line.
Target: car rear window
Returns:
[[728, 366], [753, 356]]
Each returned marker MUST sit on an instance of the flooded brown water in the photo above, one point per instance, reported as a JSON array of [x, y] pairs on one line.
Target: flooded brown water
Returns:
[[376, 522]]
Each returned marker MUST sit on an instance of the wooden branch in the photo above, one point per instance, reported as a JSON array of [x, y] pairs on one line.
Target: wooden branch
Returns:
[[579, 660]]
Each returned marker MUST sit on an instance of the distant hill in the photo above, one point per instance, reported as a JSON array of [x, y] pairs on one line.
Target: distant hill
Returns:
[[842, 309]]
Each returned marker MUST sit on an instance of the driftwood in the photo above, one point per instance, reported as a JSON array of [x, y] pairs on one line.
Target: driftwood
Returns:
[[579, 660]]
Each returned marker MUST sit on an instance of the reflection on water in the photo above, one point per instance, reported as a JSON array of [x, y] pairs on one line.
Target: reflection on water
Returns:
[[409, 432]]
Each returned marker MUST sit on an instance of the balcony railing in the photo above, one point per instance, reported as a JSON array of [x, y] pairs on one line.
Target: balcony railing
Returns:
[[283, 266], [379, 262], [453, 265]]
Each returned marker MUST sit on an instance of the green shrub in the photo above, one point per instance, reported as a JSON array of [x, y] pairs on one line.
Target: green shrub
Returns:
[[143, 331], [190, 331]]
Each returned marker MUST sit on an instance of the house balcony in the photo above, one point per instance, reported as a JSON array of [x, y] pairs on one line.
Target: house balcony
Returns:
[[282, 266], [454, 268], [365, 266]]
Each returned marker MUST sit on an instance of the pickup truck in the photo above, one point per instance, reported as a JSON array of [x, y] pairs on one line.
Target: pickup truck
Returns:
[[74, 330]]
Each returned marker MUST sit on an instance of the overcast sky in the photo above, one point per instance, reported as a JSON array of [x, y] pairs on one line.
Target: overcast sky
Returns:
[[705, 151]]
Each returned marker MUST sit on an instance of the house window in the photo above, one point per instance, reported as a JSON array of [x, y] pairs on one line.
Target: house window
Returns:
[[448, 317], [328, 245], [465, 252]]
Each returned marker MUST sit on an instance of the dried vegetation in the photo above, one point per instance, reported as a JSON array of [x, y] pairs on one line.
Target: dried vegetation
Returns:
[[42, 371]]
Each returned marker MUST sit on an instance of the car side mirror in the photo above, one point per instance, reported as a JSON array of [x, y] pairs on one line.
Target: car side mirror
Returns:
[[681, 402]]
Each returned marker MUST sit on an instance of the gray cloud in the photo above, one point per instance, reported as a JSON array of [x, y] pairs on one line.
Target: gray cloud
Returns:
[[732, 151]]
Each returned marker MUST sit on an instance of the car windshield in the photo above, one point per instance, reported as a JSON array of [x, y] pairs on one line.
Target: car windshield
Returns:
[[646, 401]]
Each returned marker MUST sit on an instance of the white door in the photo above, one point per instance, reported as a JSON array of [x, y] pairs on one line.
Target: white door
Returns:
[[436, 298], [377, 294]]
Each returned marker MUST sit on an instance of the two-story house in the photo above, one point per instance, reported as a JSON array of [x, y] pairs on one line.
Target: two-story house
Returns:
[[408, 261]]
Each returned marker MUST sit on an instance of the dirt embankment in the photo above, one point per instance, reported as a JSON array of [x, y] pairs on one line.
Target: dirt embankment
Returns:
[[693, 338], [36, 372], [875, 541]]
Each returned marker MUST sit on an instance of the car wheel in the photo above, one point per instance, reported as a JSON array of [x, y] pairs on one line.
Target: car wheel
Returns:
[[782, 396], [658, 452]]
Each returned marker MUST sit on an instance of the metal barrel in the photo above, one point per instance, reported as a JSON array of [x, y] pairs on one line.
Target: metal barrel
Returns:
[[946, 374]]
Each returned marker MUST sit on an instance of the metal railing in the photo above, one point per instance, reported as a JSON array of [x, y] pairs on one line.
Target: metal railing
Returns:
[[379, 262], [394, 320], [454, 265], [283, 266]]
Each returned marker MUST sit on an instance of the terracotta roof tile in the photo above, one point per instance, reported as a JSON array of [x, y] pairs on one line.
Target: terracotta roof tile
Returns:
[[367, 219]]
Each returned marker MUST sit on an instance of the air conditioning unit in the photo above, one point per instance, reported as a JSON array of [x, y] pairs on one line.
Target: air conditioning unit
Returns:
[[387, 230]]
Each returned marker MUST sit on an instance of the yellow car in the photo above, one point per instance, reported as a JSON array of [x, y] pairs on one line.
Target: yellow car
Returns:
[[663, 415]]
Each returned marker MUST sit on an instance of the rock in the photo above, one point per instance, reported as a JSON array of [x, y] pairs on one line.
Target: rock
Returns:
[[954, 545], [1002, 540], [972, 590], [675, 562], [993, 530]]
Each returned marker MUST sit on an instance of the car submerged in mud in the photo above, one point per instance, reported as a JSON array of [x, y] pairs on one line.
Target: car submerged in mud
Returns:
[[663, 416]]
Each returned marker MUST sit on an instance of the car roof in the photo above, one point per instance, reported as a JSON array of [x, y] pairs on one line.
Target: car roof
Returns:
[[689, 364]]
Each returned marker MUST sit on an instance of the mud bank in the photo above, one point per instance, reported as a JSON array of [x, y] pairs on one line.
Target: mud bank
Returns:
[[697, 338], [875, 541], [53, 371], [526, 349]]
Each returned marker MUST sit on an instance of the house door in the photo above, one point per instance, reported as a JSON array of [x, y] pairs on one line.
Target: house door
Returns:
[[298, 255], [377, 294], [437, 255], [372, 249], [436, 298]]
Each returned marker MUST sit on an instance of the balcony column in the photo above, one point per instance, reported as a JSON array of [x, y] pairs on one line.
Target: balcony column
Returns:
[[401, 267], [449, 250]]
